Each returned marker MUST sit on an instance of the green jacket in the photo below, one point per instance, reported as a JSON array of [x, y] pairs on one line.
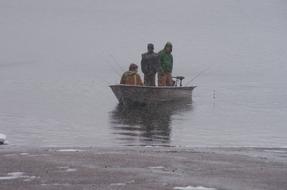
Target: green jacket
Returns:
[[166, 62]]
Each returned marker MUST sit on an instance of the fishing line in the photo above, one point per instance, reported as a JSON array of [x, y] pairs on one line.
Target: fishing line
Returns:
[[115, 61], [100, 82], [197, 75], [114, 69]]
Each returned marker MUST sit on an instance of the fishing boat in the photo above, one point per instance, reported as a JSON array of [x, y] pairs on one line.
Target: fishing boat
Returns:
[[131, 94]]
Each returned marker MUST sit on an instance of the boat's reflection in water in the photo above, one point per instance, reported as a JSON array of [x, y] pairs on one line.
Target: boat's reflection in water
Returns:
[[146, 125]]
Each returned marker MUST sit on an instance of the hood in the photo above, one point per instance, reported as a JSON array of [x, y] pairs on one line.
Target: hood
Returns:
[[130, 73], [168, 44]]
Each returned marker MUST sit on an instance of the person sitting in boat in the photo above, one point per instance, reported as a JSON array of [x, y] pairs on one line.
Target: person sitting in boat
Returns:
[[150, 65], [166, 64], [131, 77]]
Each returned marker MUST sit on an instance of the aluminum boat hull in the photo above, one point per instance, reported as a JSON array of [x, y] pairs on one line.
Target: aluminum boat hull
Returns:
[[130, 94]]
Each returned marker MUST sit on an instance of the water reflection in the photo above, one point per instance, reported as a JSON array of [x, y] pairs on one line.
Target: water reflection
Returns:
[[145, 125]]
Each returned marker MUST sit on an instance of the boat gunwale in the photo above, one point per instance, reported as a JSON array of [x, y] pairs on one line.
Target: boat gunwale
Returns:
[[155, 87]]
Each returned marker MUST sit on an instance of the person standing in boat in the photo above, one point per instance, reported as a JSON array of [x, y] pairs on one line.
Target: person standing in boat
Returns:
[[131, 77], [150, 65], [166, 64]]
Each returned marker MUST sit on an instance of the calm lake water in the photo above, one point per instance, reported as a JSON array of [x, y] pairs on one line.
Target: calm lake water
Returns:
[[57, 59]]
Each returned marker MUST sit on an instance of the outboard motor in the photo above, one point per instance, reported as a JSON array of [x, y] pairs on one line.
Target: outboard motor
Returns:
[[178, 79]]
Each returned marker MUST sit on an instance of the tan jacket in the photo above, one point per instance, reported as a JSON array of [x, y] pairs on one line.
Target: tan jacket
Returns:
[[131, 78]]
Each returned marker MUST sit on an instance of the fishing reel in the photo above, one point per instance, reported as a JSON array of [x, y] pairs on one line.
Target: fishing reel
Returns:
[[178, 79]]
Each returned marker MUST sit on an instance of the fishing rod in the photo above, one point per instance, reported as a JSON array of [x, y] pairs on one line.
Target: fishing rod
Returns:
[[111, 66], [197, 75], [115, 61]]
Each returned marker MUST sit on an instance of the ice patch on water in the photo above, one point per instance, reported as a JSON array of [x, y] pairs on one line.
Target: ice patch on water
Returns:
[[67, 169], [2, 138], [58, 184], [276, 151], [17, 175], [12, 175], [157, 167], [24, 154], [131, 181], [8, 155], [71, 170], [63, 167], [30, 178], [69, 150], [123, 184], [193, 188], [118, 184]]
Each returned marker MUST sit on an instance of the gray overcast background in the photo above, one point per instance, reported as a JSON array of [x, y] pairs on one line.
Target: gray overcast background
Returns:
[[57, 58]]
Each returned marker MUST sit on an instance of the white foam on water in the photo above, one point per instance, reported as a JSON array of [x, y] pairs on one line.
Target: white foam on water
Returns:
[[69, 150], [193, 188]]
